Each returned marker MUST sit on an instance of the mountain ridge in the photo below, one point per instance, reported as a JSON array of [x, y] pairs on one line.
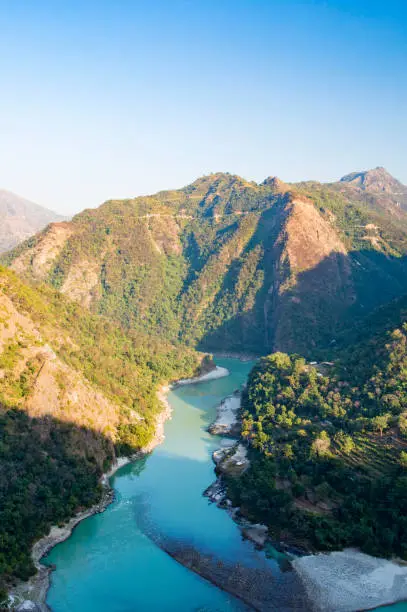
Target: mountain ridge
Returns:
[[108, 305], [224, 261]]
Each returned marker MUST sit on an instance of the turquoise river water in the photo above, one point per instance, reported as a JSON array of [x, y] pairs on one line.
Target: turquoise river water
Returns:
[[113, 562]]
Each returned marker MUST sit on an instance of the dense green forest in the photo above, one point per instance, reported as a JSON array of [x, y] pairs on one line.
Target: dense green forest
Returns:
[[328, 447], [43, 482], [50, 462]]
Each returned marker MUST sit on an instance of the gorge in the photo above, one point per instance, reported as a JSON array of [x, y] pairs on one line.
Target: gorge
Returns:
[[99, 312]]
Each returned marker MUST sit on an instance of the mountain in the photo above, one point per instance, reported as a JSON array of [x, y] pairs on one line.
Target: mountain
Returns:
[[377, 180], [226, 263], [375, 187], [98, 311], [75, 392], [20, 219]]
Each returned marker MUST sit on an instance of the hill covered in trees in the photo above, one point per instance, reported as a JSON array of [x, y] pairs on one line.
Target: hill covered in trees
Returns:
[[328, 445], [228, 263], [75, 392]]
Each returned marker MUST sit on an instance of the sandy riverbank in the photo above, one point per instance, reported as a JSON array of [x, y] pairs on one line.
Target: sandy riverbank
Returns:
[[240, 356], [226, 422], [349, 580], [31, 595], [218, 372]]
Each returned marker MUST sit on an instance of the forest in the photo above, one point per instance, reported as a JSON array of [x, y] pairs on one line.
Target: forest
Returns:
[[328, 448]]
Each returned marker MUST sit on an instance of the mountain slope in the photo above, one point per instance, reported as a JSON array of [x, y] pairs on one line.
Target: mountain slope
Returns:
[[75, 391], [226, 263], [20, 219]]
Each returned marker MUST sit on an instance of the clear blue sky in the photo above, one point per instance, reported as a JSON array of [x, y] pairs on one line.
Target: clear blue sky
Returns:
[[117, 98]]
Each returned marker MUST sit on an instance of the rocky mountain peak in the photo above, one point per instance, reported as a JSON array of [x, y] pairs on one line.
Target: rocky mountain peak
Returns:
[[377, 179]]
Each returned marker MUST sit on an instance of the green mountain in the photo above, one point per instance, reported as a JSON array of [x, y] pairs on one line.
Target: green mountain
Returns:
[[228, 263], [328, 442]]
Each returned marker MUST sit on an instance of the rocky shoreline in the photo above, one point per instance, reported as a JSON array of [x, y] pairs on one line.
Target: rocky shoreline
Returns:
[[30, 596], [350, 581], [231, 458]]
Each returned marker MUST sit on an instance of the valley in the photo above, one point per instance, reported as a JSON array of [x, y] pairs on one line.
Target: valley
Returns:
[[97, 314]]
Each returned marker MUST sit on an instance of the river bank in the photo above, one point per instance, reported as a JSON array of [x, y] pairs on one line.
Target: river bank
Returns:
[[231, 459], [31, 595], [341, 581], [349, 580]]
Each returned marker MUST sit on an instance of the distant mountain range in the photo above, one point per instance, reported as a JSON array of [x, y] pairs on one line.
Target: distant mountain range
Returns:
[[227, 263], [20, 219]]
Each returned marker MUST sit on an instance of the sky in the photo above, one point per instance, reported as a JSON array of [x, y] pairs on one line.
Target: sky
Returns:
[[112, 99]]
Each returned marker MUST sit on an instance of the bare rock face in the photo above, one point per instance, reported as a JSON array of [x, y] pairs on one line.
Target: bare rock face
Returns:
[[311, 279], [232, 461], [226, 423], [38, 259]]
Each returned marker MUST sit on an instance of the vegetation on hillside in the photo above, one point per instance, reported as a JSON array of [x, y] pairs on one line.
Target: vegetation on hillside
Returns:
[[221, 263], [51, 464], [44, 480], [328, 448]]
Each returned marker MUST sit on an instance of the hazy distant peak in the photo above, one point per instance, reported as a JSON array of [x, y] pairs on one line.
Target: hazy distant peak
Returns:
[[377, 179], [20, 219]]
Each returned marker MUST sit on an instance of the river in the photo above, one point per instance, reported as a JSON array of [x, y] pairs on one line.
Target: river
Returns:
[[116, 561]]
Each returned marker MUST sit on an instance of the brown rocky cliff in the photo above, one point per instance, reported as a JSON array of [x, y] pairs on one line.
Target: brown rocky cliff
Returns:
[[311, 277]]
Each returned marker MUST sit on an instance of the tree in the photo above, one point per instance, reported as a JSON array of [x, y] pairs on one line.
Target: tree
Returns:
[[321, 444], [345, 442], [288, 451], [403, 459], [381, 422]]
